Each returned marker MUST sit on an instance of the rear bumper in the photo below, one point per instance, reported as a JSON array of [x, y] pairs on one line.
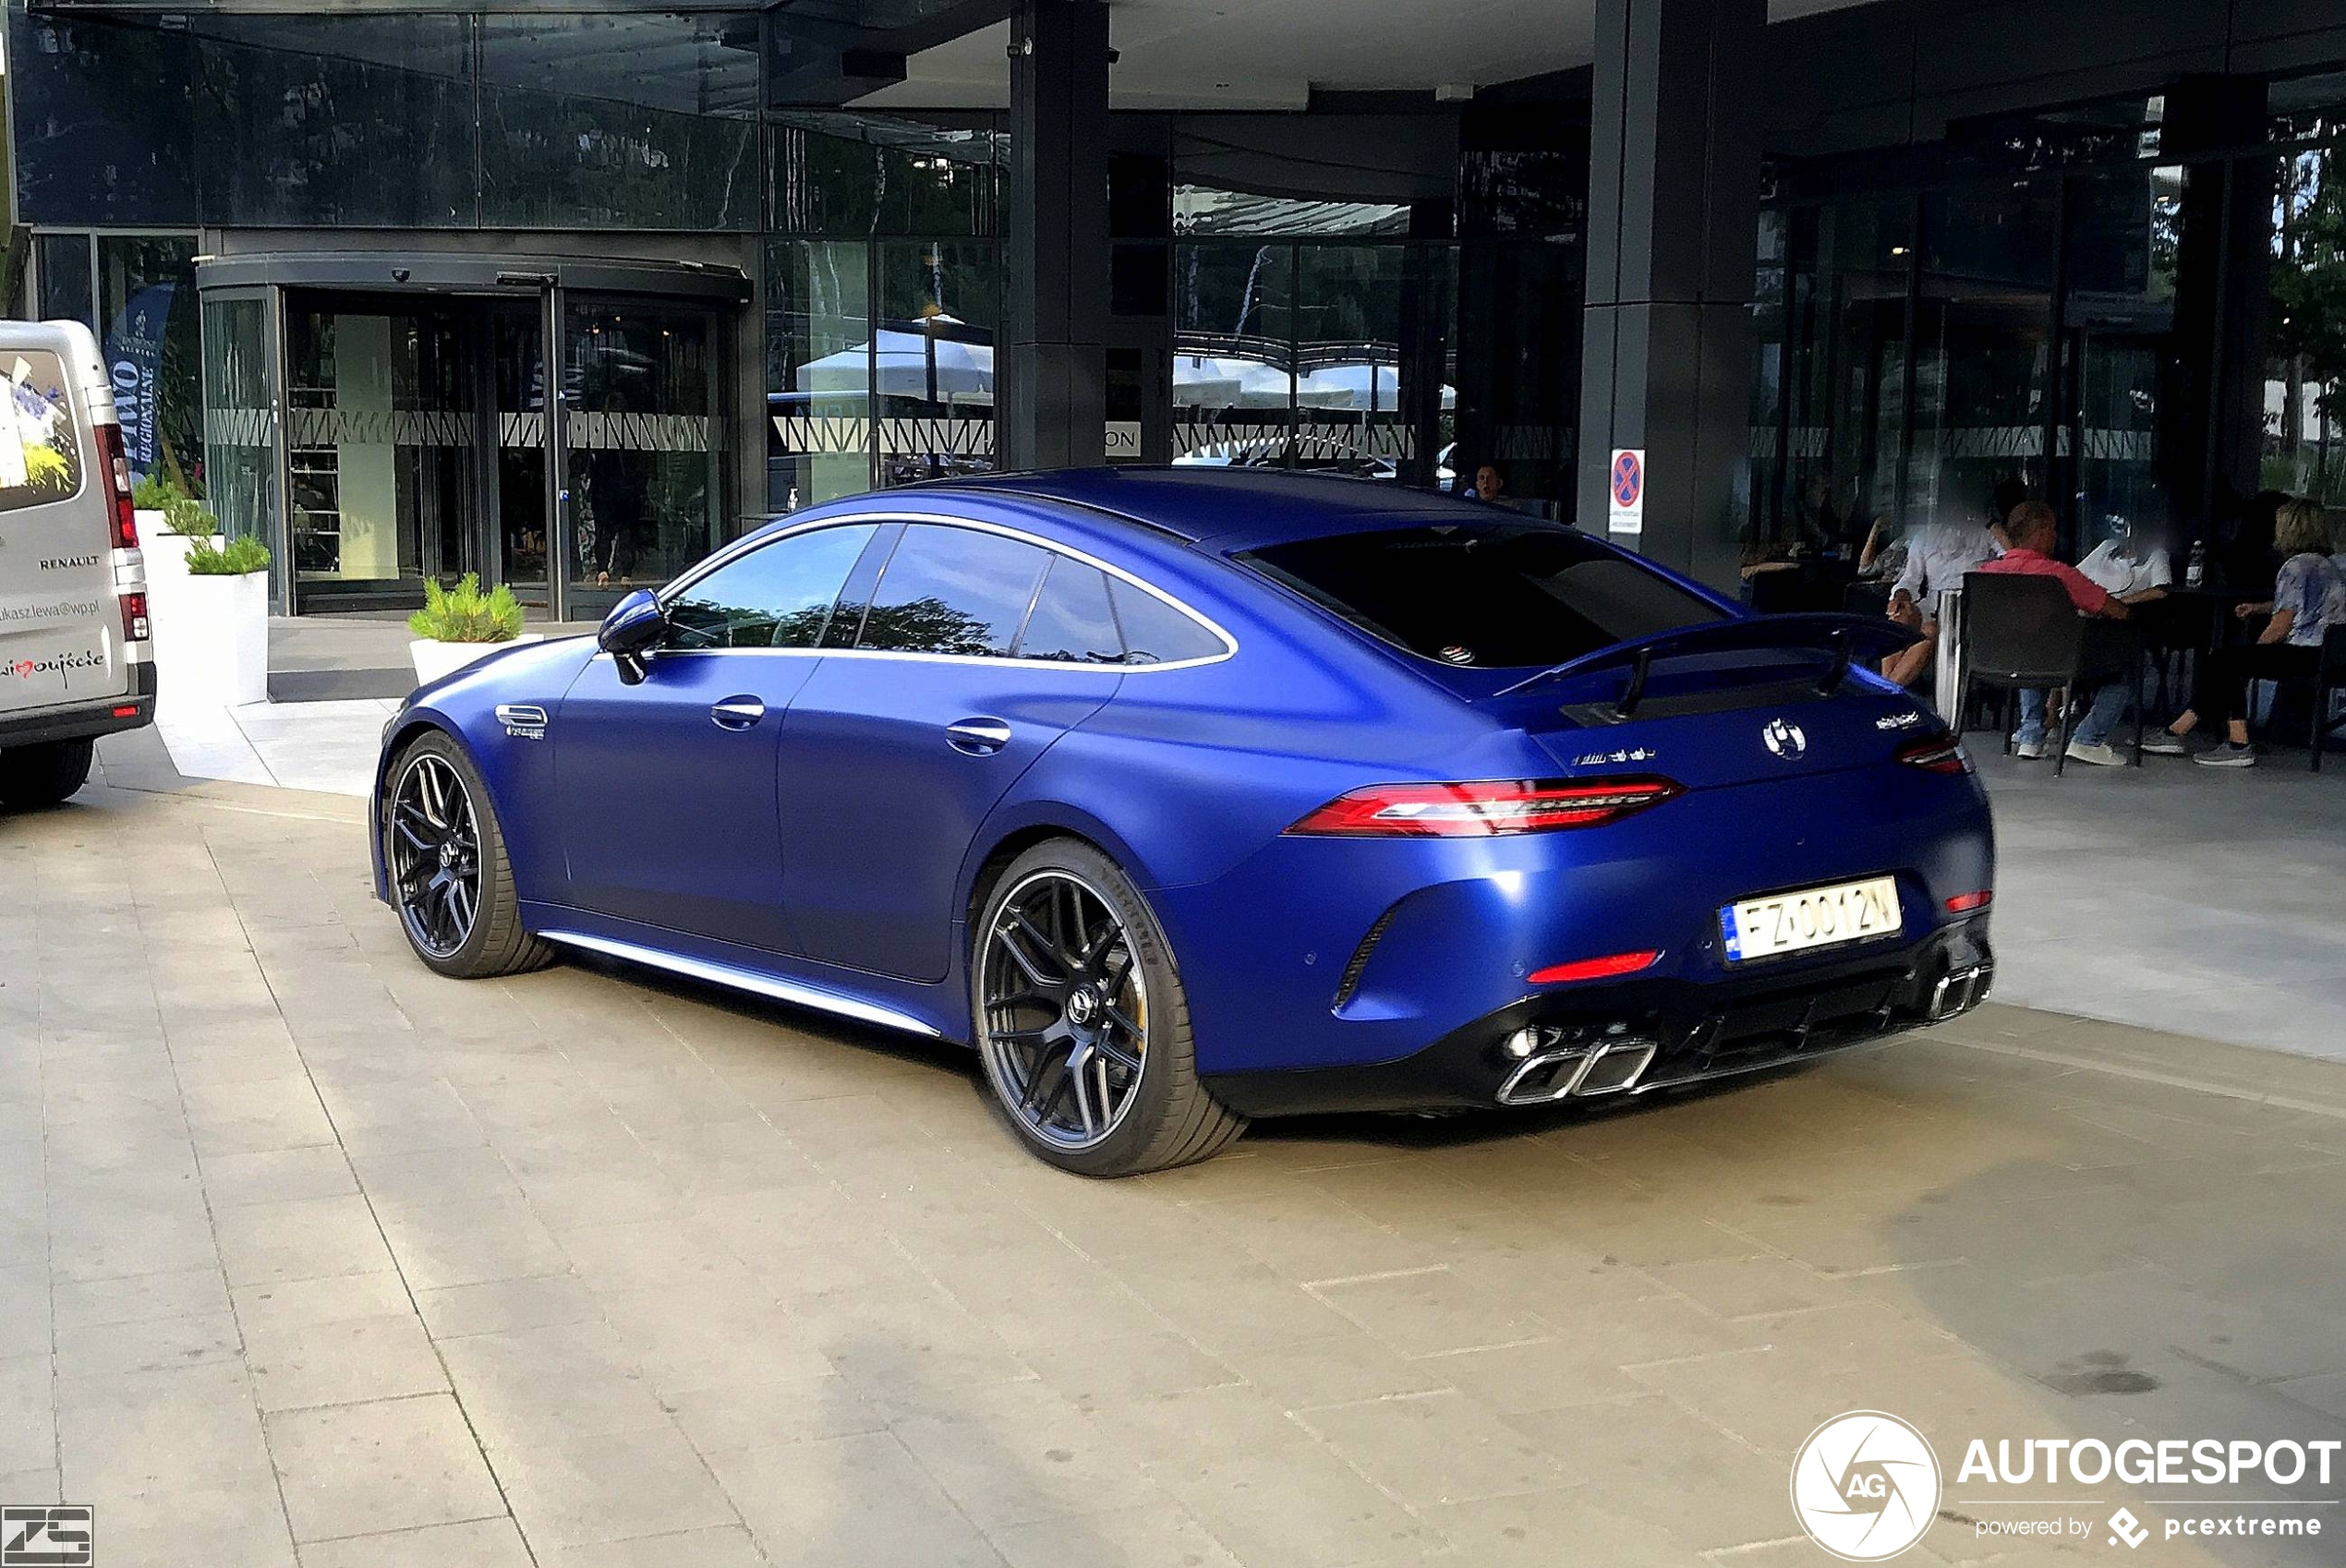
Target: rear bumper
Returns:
[[1635, 1037], [101, 716]]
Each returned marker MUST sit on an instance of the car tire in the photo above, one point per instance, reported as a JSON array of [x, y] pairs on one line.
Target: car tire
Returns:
[[46, 774], [1158, 1118], [492, 941]]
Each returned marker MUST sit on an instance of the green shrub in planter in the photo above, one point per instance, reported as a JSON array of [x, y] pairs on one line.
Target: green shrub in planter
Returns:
[[234, 559], [182, 513], [466, 614]]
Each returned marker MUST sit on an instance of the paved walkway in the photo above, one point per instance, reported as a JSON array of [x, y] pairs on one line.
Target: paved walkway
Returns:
[[2207, 902], [329, 747], [307, 1253]]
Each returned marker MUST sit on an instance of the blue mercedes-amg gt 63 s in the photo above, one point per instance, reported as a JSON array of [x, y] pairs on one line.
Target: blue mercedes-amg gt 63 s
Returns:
[[1190, 796]]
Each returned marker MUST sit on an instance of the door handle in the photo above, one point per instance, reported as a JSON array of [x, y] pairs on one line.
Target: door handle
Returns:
[[978, 737], [737, 713]]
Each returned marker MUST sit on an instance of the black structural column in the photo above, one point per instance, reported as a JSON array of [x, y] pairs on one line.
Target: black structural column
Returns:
[[1054, 409], [1674, 203]]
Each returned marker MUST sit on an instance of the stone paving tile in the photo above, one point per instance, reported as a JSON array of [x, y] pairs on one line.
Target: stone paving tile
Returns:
[[574, 1488], [387, 1464], [479, 1543], [365, 1223], [849, 1502]]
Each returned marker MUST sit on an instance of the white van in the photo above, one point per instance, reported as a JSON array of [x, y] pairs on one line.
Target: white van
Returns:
[[75, 658]]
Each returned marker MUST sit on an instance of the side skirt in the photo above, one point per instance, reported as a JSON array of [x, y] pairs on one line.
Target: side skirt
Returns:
[[740, 977]]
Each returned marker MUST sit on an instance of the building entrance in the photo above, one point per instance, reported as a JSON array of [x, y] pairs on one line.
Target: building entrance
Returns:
[[378, 438]]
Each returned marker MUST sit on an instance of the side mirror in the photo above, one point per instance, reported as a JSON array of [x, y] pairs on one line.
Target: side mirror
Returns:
[[629, 632]]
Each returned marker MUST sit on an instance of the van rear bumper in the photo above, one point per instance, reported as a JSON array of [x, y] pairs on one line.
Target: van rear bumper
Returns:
[[132, 710]]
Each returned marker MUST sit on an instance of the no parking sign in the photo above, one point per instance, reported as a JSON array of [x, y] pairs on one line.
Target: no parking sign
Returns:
[[1625, 488]]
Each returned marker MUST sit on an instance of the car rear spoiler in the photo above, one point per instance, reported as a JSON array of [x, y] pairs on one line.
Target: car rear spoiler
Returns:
[[1840, 637]]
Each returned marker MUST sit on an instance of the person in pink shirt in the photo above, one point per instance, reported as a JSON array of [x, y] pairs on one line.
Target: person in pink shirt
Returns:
[[2035, 534]]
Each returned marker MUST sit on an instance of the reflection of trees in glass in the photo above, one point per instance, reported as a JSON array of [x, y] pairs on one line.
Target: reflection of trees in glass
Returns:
[[926, 625], [704, 623], [2308, 324]]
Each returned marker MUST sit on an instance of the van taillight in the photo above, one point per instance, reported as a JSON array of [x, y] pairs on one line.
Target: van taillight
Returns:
[[116, 463], [1484, 809], [134, 618]]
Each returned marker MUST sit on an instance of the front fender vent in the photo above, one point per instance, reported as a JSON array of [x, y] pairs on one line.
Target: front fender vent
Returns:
[[1358, 964]]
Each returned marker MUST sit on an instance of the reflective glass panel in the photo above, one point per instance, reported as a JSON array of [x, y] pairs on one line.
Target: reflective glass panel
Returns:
[[1350, 397], [933, 357], [952, 591], [1984, 346], [2124, 236], [1233, 353], [152, 343], [1071, 620], [779, 596], [103, 122], [2305, 328], [818, 368], [240, 422], [66, 290], [634, 121], [336, 120], [644, 445]]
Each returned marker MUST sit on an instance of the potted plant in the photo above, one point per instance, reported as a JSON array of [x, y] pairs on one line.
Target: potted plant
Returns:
[[219, 640], [458, 625], [173, 524]]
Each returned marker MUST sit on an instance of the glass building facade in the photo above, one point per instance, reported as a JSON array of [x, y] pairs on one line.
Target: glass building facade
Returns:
[[339, 262]]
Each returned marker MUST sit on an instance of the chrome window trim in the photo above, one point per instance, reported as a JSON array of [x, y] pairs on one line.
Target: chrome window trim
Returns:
[[740, 547]]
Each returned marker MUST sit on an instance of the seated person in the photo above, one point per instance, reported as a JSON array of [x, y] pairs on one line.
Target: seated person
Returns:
[[2132, 567], [1937, 557], [2309, 598], [2035, 534], [1882, 558]]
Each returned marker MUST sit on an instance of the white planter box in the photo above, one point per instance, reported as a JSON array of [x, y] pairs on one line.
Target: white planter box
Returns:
[[166, 554], [218, 642], [434, 660]]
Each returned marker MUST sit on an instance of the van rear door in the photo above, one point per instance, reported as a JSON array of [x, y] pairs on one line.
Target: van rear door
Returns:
[[63, 567]]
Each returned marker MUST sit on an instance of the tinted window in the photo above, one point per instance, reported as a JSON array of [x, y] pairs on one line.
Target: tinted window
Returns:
[[1155, 632], [952, 591], [1485, 592], [39, 449], [776, 596], [1071, 618]]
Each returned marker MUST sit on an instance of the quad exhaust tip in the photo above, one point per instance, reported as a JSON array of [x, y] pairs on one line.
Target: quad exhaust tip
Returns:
[[1578, 1072]]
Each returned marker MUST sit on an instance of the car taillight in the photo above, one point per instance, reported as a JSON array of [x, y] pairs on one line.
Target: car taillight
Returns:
[[134, 618], [1482, 810], [1596, 968], [1934, 753], [114, 463]]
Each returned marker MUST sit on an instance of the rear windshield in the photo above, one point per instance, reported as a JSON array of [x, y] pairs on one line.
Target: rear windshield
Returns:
[[39, 454], [1485, 594]]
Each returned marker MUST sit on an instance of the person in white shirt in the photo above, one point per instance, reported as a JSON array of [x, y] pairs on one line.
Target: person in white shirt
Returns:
[[1937, 557], [2130, 567]]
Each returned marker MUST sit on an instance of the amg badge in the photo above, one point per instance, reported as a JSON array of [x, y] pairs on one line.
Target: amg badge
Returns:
[[522, 721]]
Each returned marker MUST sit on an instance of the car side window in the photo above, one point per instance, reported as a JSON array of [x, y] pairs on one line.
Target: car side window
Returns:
[[1071, 620], [951, 590], [1155, 632], [777, 595]]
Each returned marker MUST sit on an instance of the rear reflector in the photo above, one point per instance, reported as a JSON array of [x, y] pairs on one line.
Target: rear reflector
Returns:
[[1595, 969], [114, 463], [1482, 810], [127, 710], [1934, 753], [1963, 903]]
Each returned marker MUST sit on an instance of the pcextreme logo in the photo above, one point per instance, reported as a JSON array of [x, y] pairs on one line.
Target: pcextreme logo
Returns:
[[1864, 1486]]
